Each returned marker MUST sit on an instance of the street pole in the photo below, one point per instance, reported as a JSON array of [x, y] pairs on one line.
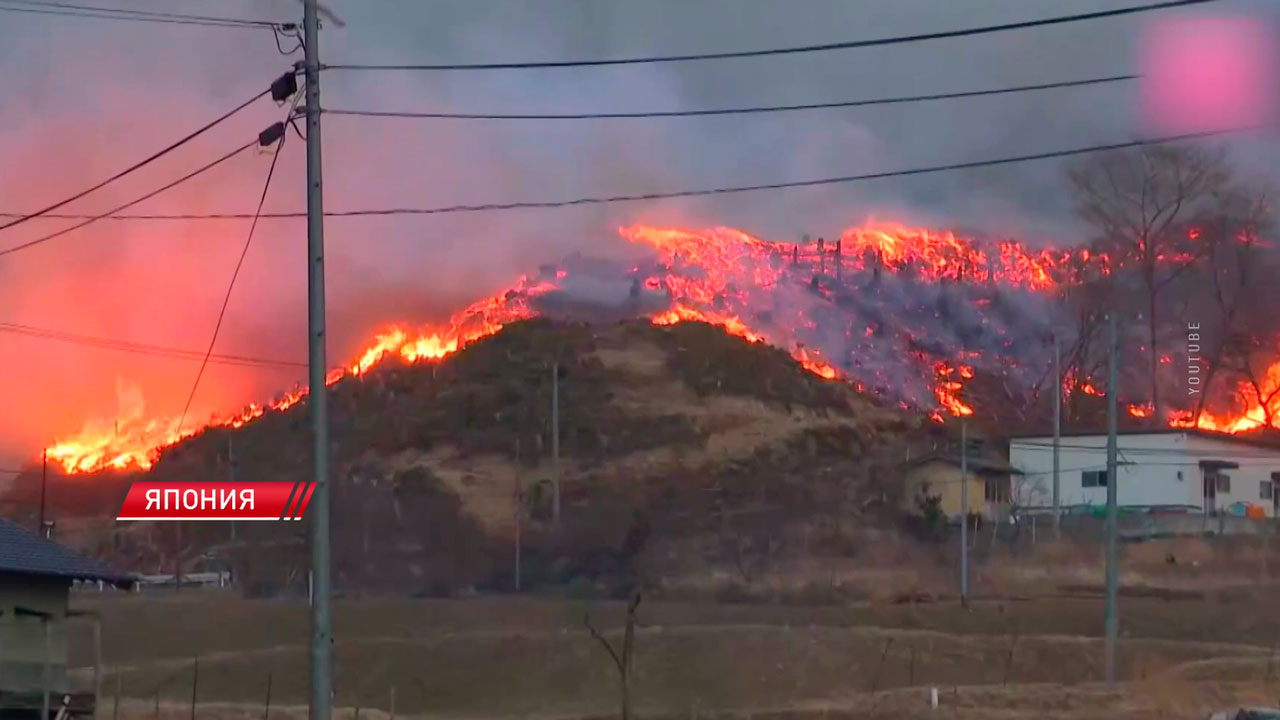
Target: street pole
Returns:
[[964, 512], [231, 476], [1112, 618], [555, 442], [518, 496], [44, 485], [48, 672], [321, 621], [1057, 436]]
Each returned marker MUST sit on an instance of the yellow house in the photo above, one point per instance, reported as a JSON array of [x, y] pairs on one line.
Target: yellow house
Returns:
[[938, 475]]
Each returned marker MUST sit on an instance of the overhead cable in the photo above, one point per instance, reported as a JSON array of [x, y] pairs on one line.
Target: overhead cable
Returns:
[[1260, 453], [275, 134], [48, 7], [89, 220], [143, 348], [734, 111], [728, 190], [147, 161], [848, 45]]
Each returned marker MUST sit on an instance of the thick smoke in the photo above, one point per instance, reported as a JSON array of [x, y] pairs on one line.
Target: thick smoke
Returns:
[[87, 97]]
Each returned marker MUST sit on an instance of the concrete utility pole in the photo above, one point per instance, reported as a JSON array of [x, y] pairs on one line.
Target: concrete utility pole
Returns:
[[964, 511], [555, 442], [1112, 618], [517, 491], [231, 476], [519, 519], [1057, 436], [44, 485], [321, 620], [48, 669]]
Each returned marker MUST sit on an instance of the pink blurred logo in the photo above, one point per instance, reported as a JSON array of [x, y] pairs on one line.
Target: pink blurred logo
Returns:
[[1208, 74]]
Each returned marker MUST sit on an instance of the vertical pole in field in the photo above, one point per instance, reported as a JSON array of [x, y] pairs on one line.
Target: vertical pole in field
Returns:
[[231, 476], [1057, 437], [1112, 618], [964, 511], [44, 485], [48, 672], [555, 442], [321, 621]]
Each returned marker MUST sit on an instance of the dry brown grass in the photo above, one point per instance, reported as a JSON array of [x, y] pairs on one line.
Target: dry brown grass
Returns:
[[1160, 700], [531, 658]]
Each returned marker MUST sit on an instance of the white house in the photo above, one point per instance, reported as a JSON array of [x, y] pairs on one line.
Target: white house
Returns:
[[1193, 470]]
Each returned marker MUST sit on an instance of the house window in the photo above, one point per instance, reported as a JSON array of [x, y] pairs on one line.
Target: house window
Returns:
[[1266, 490], [1093, 478], [1224, 483]]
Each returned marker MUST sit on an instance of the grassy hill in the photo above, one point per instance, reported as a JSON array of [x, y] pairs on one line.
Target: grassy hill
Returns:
[[684, 451]]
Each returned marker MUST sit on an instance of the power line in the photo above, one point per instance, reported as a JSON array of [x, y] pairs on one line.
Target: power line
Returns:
[[72, 13], [143, 348], [140, 164], [277, 131], [94, 218], [736, 111], [1151, 452], [43, 7], [680, 193], [900, 39], [768, 186]]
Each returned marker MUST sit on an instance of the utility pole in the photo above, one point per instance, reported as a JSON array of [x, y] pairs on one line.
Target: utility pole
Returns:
[[1112, 618], [518, 493], [519, 498], [1057, 436], [555, 442], [44, 485], [177, 556], [321, 620], [231, 475], [964, 512]]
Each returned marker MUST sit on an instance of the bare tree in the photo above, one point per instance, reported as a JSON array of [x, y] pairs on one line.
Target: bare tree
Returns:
[[1024, 492], [622, 656], [1147, 206], [1088, 290], [1252, 360], [1241, 273]]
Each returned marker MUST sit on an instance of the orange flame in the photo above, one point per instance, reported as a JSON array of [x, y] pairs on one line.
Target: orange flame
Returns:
[[1140, 411], [134, 441], [730, 263], [948, 388], [733, 325], [1253, 413]]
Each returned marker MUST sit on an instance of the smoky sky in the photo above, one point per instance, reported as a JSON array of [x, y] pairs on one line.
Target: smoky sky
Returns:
[[83, 98]]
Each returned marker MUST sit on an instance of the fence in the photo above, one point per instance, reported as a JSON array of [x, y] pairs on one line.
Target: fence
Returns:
[[1138, 524], [206, 579]]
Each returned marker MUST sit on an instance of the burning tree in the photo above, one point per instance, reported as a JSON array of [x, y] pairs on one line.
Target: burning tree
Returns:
[[1148, 207], [1238, 278]]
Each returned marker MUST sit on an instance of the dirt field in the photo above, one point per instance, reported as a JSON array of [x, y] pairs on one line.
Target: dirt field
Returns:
[[1035, 657]]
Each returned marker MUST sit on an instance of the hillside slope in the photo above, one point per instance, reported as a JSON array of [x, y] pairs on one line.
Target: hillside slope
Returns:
[[682, 448]]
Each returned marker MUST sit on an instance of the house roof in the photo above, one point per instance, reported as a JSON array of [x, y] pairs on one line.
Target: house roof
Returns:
[[1269, 442], [979, 465], [24, 552]]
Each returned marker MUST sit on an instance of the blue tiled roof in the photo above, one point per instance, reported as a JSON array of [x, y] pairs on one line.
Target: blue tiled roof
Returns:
[[22, 551]]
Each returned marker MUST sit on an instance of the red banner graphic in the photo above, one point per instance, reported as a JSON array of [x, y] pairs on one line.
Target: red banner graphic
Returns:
[[152, 500]]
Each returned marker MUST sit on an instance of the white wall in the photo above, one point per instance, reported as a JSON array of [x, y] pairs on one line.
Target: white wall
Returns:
[[1151, 478], [1256, 466]]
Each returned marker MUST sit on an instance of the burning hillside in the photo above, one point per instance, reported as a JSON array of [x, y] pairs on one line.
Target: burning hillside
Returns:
[[910, 315]]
